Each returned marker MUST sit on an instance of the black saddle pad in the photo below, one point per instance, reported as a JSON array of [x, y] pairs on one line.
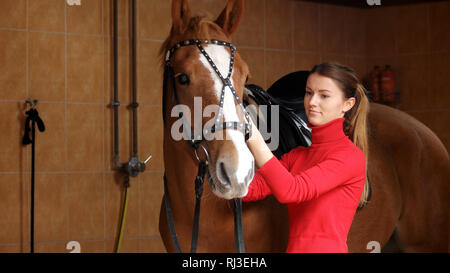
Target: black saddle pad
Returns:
[[288, 93]]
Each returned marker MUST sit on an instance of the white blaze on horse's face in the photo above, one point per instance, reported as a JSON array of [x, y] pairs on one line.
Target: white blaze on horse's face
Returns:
[[239, 173]]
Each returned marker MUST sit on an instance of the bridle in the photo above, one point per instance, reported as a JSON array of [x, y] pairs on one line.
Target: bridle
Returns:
[[195, 140]]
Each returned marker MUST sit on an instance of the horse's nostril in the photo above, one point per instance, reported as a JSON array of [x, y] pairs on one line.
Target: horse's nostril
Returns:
[[224, 174]]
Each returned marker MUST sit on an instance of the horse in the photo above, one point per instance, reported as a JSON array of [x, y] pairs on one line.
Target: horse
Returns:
[[408, 166]]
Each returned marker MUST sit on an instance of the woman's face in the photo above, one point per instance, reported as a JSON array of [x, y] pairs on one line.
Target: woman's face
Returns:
[[324, 100]]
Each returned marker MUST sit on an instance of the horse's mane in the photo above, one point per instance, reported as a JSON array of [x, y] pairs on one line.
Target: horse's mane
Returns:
[[200, 27]]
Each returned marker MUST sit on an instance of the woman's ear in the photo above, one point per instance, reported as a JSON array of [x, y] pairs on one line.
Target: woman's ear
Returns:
[[231, 16], [348, 104], [181, 13]]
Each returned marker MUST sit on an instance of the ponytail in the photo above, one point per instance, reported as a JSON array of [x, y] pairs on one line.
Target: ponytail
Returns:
[[355, 127]]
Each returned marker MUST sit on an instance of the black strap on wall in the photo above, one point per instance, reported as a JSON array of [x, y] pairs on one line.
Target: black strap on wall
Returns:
[[30, 124]]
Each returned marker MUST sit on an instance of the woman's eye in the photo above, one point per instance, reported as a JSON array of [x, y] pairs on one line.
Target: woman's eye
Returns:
[[308, 92], [183, 79], [324, 96]]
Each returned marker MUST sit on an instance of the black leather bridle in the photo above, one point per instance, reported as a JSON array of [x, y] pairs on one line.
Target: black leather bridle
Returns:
[[195, 141]]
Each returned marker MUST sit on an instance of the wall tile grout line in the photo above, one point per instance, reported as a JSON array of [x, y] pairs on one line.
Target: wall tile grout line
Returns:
[[66, 132], [103, 124]]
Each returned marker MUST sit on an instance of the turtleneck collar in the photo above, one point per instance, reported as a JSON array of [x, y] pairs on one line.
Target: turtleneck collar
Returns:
[[328, 132]]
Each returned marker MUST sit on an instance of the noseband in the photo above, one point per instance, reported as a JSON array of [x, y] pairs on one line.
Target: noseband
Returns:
[[195, 140]]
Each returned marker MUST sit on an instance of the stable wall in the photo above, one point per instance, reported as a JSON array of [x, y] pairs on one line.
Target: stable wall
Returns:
[[61, 55]]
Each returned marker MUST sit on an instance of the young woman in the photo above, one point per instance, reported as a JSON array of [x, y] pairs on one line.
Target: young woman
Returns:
[[322, 184]]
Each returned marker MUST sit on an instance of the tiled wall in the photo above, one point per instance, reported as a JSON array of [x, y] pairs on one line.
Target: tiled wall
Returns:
[[414, 40], [61, 55]]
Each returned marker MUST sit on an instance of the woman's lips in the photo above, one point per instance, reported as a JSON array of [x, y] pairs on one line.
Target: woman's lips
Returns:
[[312, 112]]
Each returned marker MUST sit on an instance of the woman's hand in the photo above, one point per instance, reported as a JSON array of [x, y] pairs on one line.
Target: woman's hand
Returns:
[[258, 147]]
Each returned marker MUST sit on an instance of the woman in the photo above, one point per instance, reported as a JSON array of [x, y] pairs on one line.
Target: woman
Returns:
[[322, 184]]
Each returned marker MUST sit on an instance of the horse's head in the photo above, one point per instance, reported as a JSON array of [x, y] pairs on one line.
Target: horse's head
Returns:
[[198, 65]]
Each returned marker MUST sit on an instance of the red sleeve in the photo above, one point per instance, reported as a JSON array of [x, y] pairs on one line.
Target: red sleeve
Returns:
[[258, 188], [336, 170]]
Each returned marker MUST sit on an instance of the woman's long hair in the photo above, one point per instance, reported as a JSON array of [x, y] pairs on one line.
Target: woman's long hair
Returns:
[[355, 124]]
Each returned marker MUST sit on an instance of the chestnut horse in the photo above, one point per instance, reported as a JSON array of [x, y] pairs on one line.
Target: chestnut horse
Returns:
[[409, 168]]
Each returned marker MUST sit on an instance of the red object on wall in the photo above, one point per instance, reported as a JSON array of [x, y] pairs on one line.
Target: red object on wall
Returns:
[[388, 84], [374, 82]]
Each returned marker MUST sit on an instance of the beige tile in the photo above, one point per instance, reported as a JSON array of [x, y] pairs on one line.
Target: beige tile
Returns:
[[85, 18], [332, 24], [14, 248], [251, 29], [412, 29], [150, 130], [85, 137], [306, 26], [439, 96], [381, 34], [50, 144], [439, 26], [86, 201], [84, 68], [152, 245], [255, 62], [305, 61], [13, 64], [50, 207], [355, 31], [277, 65], [149, 73], [438, 122], [412, 82], [151, 193], [114, 195], [52, 247], [359, 65], [46, 15], [208, 8], [14, 207], [279, 16], [342, 59], [13, 14], [155, 19], [128, 246], [46, 66], [97, 246], [13, 154]]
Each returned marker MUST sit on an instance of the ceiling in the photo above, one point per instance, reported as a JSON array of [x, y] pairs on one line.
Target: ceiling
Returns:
[[365, 3]]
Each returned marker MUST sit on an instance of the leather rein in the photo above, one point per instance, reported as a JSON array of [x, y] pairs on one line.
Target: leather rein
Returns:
[[195, 142]]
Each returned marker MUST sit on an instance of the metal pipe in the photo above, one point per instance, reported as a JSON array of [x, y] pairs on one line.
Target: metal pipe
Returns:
[[115, 103], [134, 103]]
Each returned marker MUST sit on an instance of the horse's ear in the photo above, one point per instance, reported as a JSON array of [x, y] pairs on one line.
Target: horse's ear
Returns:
[[181, 13], [231, 16]]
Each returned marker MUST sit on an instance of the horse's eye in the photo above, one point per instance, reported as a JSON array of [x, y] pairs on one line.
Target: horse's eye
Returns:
[[183, 79], [246, 79]]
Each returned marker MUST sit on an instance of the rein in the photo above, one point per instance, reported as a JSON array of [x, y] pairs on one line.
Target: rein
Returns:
[[195, 140]]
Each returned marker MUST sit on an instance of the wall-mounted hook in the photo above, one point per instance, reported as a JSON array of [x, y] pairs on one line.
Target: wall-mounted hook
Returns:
[[31, 102]]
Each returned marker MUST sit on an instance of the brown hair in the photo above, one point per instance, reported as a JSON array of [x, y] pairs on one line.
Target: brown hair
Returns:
[[355, 123]]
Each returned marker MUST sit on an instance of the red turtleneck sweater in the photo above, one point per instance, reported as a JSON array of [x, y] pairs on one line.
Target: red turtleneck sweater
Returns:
[[321, 185]]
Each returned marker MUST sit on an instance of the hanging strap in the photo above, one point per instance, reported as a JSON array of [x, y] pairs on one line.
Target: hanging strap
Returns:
[[32, 115], [238, 230], [173, 233], [198, 198]]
